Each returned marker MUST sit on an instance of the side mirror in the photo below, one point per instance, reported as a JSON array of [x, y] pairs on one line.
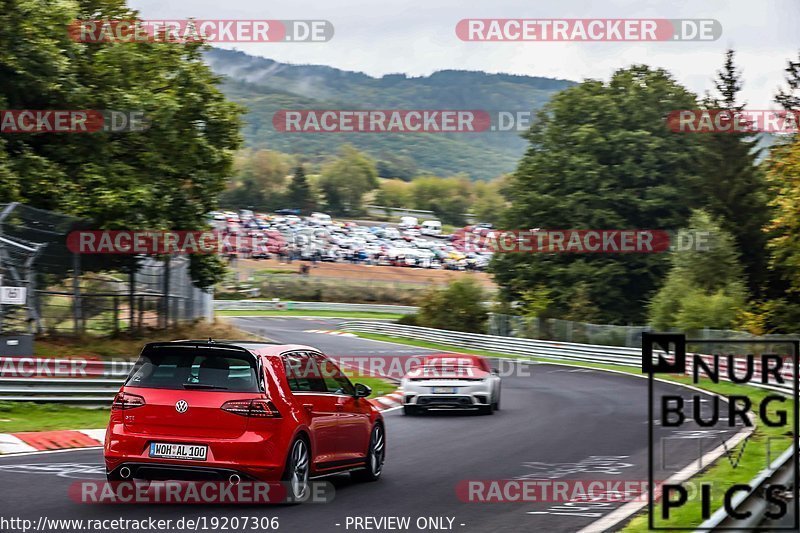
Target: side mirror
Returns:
[[362, 391], [495, 372]]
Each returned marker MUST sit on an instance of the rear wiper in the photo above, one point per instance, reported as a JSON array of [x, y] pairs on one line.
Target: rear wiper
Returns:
[[202, 386]]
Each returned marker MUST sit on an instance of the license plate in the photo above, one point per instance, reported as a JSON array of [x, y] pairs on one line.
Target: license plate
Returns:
[[178, 451], [444, 390]]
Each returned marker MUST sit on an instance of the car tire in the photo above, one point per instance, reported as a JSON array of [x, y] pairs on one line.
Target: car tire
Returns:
[[375, 456], [298, 470], [410, 410], [486, 410], [496, 404]]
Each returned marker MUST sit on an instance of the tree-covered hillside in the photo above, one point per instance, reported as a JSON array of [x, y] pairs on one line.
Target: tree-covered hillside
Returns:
[[265, 86]]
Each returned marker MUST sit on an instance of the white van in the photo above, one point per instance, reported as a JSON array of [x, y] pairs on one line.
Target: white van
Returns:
[[320, 219], [431, 227], [408, 222]]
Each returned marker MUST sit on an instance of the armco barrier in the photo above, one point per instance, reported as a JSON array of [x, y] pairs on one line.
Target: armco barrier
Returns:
[[90, 383], [286, 305], [566, 351], [615, 355]]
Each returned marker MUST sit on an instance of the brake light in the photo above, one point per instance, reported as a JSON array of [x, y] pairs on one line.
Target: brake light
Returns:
[[253, 408], [126, 400]]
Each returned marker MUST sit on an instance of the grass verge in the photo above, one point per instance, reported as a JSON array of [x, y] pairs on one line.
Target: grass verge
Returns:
[[20, 416], [721, 474]]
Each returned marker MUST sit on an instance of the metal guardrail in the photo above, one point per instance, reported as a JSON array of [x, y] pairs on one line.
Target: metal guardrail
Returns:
[[285, 305], [616, 355], [70, 381], [566, 351]]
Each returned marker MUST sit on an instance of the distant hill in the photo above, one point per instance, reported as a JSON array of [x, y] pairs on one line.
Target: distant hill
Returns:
[[266, 86]]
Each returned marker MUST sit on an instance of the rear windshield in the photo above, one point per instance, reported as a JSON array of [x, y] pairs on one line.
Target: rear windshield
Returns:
[[195, 368]]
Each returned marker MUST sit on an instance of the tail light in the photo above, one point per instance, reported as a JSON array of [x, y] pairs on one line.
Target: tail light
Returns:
[[126, 400], [253, 408]]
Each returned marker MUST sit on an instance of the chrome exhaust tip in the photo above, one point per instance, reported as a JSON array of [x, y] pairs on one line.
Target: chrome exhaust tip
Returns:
[[234, 479], [124, 472]]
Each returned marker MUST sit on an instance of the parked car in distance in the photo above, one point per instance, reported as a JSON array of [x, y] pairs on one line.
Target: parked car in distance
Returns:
[[408, 222], [431, 227], [321, 219]]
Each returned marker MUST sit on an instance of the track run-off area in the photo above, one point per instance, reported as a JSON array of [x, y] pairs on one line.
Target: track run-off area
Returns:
[[555, 422]]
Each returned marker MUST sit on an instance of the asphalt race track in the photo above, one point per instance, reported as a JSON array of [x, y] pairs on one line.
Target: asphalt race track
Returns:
[[555, 422]]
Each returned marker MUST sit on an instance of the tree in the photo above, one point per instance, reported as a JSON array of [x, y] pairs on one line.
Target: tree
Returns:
[[394, 193], [259, 180], [459, 307], [397, 166], [789, 97], [779, 310], [166, 177], [581, 308], [300, 196], [733, 185], [536, 302], [448, 198], [489, 203], [600, 157], [704, 288], [783, 176], [345, 181]]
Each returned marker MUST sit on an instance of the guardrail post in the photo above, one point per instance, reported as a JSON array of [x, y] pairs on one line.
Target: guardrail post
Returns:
[[116, 315], [77, 315], [165, 299], [131, 295]]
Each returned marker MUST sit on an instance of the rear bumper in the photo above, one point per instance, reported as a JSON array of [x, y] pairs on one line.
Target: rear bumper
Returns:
[[448, 401], [167, 472], [255, 456]]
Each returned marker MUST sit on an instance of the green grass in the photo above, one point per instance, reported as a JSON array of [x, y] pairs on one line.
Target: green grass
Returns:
[[22, 416], [380, 387], [721, 474], [290, 313]]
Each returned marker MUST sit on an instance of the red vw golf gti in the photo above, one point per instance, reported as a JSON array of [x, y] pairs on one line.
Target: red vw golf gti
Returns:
[[229, 410]]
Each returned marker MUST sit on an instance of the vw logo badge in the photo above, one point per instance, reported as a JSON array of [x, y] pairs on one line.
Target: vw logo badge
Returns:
[[181, 406]]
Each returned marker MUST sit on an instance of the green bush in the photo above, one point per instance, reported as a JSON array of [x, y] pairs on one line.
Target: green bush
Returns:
[[459, 307], [408, 320]]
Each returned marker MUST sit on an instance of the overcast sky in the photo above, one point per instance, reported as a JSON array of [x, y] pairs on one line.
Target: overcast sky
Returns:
[[417, 37]]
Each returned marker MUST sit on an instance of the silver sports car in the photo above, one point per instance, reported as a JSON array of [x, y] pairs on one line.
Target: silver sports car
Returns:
[[451, 381]]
